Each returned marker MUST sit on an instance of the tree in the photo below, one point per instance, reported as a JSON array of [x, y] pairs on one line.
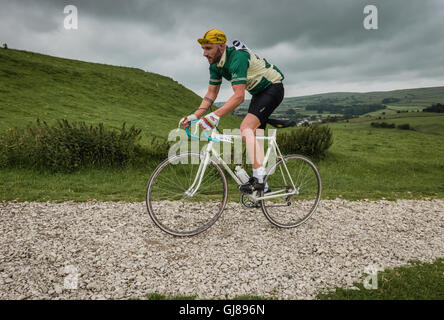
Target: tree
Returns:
[[434, 108]]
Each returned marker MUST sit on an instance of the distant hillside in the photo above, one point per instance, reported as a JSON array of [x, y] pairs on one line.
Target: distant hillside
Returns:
[[34, 85], [421, 97]]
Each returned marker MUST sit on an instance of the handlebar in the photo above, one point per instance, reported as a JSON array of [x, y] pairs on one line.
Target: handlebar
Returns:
[[197, 137]]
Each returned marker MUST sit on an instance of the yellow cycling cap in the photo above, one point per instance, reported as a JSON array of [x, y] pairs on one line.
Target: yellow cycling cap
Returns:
[[213, 36]]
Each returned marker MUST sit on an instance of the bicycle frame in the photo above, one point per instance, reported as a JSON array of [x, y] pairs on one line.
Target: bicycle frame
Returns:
[[209, 151]]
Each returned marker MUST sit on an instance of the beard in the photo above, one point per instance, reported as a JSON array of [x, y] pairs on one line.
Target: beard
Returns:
[[217, 56]]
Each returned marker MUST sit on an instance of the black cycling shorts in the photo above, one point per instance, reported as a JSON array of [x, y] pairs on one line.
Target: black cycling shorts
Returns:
[[263, 104]]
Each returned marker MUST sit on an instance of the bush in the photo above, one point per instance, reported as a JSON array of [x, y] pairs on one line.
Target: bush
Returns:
[[156, 149], [312, 141], [66, 147], [390, 100], [405, 126], [434, 108], [384, 125]]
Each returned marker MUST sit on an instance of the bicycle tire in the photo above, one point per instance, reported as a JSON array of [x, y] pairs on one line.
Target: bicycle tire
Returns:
[[307, 180], [193, 211]]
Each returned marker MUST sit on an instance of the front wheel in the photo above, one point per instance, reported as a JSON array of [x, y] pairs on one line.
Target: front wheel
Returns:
[[174, 207], [298, 178]]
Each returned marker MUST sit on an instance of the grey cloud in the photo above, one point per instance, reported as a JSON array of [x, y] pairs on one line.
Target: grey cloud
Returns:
[[314, 42], [264, 23]]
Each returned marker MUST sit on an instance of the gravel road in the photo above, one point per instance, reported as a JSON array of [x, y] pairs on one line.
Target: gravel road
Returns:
[[112, 250]]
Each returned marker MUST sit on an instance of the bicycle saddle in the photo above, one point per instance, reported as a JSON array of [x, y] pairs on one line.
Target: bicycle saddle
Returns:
[[281, 123]]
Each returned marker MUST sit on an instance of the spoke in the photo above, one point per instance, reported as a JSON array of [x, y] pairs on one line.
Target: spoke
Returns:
[[308, 183], [207, 177], [299, 175], [159, 189], [173, 193], [179, 178], [172, 182], [302, 181]]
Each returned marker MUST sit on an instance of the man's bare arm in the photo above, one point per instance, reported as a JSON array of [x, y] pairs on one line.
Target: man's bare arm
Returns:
[[235, 100], [208, 100]]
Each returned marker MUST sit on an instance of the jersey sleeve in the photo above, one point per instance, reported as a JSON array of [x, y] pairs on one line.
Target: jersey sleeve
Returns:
[[215, 75], [238, 68]]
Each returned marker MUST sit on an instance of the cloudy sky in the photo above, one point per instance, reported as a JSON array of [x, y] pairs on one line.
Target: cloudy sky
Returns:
[[320, 45]]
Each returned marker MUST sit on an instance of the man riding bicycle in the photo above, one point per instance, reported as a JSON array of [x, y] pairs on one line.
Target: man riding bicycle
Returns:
[[245, 71]]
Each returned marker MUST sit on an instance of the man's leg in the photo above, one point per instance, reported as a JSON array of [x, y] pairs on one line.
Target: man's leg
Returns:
[[260, 133], [254, 147], [261, 107]]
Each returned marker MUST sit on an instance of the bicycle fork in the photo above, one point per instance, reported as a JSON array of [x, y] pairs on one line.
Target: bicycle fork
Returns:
[[200, 173]]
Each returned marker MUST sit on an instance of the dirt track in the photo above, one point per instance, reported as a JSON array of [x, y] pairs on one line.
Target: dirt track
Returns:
[[114, 251]]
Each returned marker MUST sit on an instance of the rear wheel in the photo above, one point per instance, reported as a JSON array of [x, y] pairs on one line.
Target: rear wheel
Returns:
[[298, 177], [171, 206]]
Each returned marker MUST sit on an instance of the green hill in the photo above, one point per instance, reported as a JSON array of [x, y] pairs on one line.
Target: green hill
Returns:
[[34, 86], [407, 97]]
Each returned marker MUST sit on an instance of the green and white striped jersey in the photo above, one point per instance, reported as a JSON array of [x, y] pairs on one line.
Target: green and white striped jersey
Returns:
[[244, 67]]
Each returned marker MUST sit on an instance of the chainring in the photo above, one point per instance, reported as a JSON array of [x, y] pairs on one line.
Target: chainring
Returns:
[[247, 202]]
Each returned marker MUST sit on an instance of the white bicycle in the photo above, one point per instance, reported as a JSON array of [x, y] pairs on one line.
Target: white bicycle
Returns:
[[188, 192]]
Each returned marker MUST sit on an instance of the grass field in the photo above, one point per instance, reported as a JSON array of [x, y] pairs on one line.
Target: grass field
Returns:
[[416, 281], [363, 163], [432, 124], [423, 122], [389, 163], [390, 110]]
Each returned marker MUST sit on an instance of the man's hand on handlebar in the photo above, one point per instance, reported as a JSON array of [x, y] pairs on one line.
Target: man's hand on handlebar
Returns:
[[185, 120], [209, 121]]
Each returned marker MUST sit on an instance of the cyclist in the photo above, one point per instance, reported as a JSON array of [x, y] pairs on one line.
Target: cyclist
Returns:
[[246, 71]]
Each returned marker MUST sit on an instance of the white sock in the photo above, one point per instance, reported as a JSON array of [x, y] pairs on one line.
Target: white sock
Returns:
[[259, 174]]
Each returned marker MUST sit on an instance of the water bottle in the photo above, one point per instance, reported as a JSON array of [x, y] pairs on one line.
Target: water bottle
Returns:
[[242, 174]]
